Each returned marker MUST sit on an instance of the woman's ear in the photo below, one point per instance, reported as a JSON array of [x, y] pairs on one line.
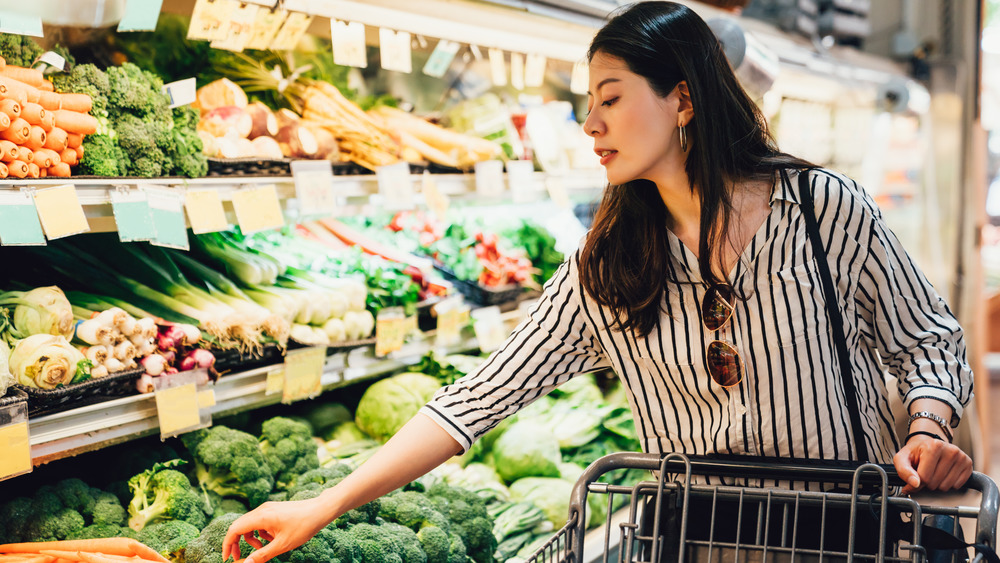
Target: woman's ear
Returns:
[[685, 110]]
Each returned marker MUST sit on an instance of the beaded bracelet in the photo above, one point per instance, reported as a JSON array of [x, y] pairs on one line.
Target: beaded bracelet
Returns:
[[936, 418], [922, 433]]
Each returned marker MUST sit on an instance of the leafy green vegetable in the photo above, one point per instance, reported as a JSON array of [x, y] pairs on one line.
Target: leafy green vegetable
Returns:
[[526, 449], [388, 404]]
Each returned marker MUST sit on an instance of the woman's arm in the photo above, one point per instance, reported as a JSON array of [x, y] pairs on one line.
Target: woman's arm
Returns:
[[418, 447], [926, 462]]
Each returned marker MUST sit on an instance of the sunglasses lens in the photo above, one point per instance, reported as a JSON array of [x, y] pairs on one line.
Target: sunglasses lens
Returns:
[[717, 308], [724, 363]]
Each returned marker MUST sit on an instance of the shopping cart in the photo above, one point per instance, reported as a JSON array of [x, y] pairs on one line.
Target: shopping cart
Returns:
[[766, 519]]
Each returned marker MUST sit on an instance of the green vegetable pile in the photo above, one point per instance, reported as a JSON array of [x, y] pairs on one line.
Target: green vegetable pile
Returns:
[[139, 135], [19, 50]]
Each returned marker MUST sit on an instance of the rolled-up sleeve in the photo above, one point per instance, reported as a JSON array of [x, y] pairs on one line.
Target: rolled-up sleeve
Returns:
[[552, 345], [918, 338]]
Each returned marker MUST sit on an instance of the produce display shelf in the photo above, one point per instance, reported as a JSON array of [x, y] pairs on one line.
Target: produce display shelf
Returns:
[[92, 427]]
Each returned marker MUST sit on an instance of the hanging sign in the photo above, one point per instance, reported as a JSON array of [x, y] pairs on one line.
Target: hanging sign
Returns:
[[303, 373], [489, 178], [265, 28], [166, 207], [239, 28], [19, 225], [209, 17], [498, 67], [60, 212], [314, 187], [181, 92], [517, 71], [521, 179], [534, 71], [394, 50], [349, 43], [580, 78], [395, 185], [291, 32], [20, 24], [258, 209], [140, 15], [205, 212], [442, 56], [133, 218]]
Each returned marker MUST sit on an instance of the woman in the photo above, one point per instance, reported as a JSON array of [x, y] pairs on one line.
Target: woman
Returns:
[[698, 285]]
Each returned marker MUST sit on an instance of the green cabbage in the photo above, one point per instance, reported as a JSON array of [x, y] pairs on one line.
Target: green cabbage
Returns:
[[526, 449], [388, 404], [547, 493]]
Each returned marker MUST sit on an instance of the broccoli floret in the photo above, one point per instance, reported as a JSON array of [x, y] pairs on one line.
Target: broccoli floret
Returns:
[[322, 477], [168, 537], [318, 548], [217, 505], [289, 449], [469, 518], [102, 157], [76, 494], [51, 526], [413, 510], [188, 158], [456, 551], [230, 463], [95, 531], [163, 494], [86, 79], [364, 514], [207, 547], [146, 142], [345, 547], [19, 50], [107, 510], [15, 514], [135, 90], [411, 550], [436, 544]]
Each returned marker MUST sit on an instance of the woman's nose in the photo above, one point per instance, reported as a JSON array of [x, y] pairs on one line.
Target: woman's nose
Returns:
[[591, 126]]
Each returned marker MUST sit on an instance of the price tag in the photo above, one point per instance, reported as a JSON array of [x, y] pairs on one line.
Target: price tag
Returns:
[[517, 71], [314, 187], [394, 50], [390, 330], [177, 409], [265, 28], [19, 220], [204, 211], [52, 59], [206, 398], [181, 92], [579, 79], [349, 43], [239, 28], [140, 15], [441, 58], [60, 212], [303, 373], [133, 218], [498, 67], [14, 438], [452, 315], [166, 207], [534, 71], [395, 185], [489, 178], [521, 178], [209, 17], [258, 209], [20, 24], [275, 382], [265, 3], [291, 32], [558, 192], [489, 328], [436, 200]]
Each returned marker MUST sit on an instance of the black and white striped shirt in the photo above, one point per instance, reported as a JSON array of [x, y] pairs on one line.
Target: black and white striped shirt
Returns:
[[791, 400]]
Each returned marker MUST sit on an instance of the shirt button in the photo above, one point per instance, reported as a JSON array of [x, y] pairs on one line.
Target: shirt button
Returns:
[[741, 410]]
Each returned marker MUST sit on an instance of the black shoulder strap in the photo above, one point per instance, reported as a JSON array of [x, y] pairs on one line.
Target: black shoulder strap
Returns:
[[837, 322]]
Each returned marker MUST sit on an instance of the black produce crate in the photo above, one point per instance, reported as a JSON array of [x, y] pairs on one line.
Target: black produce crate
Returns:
[[479, 294], [234, 360], [14, 395], [250, 166], [48, 401]]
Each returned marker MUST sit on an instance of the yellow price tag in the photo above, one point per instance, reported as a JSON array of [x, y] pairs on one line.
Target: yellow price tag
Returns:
[[204, 211], [177, 408], [60, 212], [258, 209], [390, 333], [436, 200], [206, 398], [16, 458], [303, 373], [275, 382]]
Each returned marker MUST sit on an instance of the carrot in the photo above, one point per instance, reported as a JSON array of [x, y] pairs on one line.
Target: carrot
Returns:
[[18, 169], [47, 86], [73, 139], [75, 122], [29, 76], [50, 100], [3, 63], [69, 157], [4, 121], [31, 559], [79, 152], [112, 546], [60, 170], [45, 158], [18, 131], [8, 151], [3, 170], [56, 139], [20, 89], [25, 154], [43, 172], [36, 139], [77, 102], [33, 113], [33, 170], [11, 108]]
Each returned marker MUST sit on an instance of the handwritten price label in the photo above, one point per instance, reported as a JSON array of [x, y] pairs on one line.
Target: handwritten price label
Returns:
[[303, 373]]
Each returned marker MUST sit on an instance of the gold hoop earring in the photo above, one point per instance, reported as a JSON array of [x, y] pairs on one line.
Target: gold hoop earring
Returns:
[[684, 137]]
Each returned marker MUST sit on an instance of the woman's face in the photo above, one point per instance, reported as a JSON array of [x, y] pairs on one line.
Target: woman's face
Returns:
[[634, 129]]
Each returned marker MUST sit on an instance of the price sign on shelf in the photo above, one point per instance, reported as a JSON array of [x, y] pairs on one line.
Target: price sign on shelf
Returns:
[[558, 192], [441, 58], [521, 178], [534, 70], [17, 24], [239, 28], [489, 178], [314, 187], [19, 224], [166, 206], [489, 327], [177, 409], [133, 218], [349, 43], [436, 200], [140, 15], [295, 26], [14, 439], [391, 328], [394, 50], [452, 316], [498, 67], [181, 92], [258, 209], [517, 71], [303, 373], [60, 212], [209, 17], [579, 78], [265, 28], [204, 211], [275, 382], [395, 185]]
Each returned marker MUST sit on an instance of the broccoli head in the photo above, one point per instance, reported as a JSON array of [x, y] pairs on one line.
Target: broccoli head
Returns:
[[413, 510], [14, 516], [19, 50], [318, 548], [320, 478], [103, 157], [135, 90], [469, 518], [107, 510], [289, 449], [163, 494], [51, 526], [76, 494], [95, 531], [436, 544], [345, 547], [410, 547], [86, 79], [207, 547], [218, 505], [168, 537], [230, 463]]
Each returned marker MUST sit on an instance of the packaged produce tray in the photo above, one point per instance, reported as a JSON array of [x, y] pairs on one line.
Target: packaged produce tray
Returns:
[[48, 401], [478, 294], [250, 166]]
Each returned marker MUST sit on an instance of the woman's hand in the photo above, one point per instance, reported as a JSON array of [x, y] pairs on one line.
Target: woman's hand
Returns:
[[285, 525], [928, 463]]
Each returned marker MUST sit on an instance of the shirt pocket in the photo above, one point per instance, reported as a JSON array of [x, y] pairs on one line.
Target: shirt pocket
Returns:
[[799, 304]]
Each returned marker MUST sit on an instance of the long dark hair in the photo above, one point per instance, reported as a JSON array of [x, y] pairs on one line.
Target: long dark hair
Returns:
[[625, 260]]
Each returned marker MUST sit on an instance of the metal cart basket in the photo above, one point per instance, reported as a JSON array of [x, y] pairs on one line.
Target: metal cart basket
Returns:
[[859, 499]]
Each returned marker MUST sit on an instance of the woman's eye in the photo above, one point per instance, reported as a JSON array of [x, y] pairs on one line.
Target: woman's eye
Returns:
[[608, 103]]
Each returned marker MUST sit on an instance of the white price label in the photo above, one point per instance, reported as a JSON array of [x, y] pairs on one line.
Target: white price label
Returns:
[[534, 71], [489, 178], [394, 50], [265, 28], [349, 43], [498, 67], [209, 18], [441, 58], [395, 185], [239, 28], [181, 92], [580, 78], [488, 325], [295, 26], [517, 71], [314, 187], [521, 178], [436, 200]]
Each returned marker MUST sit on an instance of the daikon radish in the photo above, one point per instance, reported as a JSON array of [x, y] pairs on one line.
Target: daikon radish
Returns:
[[33, 113], [36, 139], [18, 131], [18, 168]]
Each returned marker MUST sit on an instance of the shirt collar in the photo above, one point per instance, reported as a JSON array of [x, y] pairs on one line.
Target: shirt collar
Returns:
[[786, 190]]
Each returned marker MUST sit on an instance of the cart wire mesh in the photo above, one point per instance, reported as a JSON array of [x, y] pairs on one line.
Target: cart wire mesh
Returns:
[[651, 522]]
